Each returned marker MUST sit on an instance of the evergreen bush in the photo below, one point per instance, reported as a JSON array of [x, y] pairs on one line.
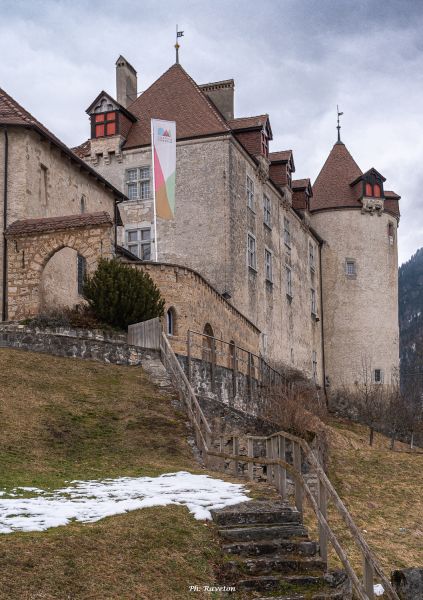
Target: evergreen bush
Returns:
[[120, 295]]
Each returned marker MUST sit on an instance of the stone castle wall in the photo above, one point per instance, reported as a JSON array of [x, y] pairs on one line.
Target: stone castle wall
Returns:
[[361, 312]]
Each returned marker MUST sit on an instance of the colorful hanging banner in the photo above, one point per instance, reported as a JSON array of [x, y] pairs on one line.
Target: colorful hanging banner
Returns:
[[163, 143]]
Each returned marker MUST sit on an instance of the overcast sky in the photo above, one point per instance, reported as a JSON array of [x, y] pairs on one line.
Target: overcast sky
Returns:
[[294, 59]]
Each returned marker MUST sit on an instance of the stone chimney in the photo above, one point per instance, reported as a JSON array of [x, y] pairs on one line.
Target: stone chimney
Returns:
[[126, 82], [221, 93]]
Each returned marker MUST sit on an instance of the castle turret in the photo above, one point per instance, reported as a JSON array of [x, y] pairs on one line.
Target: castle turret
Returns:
[[358, 220]]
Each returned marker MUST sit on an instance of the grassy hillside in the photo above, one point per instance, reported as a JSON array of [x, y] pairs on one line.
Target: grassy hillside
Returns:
[[63, 419], [383, 490]]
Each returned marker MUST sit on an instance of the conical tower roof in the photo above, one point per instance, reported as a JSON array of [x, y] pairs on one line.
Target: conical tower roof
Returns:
[[332, 187]]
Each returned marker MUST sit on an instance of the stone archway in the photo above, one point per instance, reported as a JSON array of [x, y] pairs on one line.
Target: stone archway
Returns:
[[33, 244]]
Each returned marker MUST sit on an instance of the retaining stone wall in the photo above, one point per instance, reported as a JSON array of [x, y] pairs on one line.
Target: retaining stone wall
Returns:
[[73, 343]]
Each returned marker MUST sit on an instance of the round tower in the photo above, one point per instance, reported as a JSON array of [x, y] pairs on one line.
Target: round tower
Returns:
[[358, 220]]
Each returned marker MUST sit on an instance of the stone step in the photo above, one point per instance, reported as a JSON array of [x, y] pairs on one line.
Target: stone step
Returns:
[[334, 585], [269, 532], [279, 546], [274, 564], [256, 513]]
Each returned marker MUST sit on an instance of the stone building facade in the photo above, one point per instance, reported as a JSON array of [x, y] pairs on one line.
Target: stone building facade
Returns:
[[57, 216], [235, 220]]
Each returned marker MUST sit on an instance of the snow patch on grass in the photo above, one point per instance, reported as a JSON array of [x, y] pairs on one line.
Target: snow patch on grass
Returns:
[[90, 501]]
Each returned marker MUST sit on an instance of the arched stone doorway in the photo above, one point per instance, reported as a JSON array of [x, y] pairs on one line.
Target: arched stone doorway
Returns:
[[43, 253]]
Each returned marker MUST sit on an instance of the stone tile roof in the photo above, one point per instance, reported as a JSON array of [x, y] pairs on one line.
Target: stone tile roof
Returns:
[[176, 97], [248, 122], [390, 194], [13, 114], [282, 156], [42, 225], [332, 187], [300, 184]]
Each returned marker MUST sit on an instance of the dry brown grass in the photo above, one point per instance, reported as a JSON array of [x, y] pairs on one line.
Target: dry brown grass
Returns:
[[64, 419], [383, 490]]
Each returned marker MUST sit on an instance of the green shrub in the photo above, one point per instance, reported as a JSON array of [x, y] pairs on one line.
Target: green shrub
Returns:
[[120, 295]]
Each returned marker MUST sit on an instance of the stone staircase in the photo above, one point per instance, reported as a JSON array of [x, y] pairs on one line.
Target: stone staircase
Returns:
[[267, 551]]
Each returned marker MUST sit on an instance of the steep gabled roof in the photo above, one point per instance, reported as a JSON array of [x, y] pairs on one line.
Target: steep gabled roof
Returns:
[[176, 97], [332, 187], [113, 102], [13, 114]]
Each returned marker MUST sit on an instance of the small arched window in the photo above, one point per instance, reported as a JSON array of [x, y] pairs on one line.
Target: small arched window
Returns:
[[170, 321], [369, 190], [376, 190], [83, 204], [209, 347]]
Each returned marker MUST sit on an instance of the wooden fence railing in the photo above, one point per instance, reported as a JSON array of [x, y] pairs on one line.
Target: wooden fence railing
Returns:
[[282, 454]]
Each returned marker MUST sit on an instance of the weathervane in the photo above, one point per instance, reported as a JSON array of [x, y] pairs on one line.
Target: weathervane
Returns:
[[177, 46], [339, 126]]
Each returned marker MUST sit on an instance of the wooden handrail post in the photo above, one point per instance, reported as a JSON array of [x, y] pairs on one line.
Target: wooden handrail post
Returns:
[[323, 506], [296, 451], [282, 472], [189, 356], [276, 468], [269, 454], [235, 371], [250, 453], [235, 452], [368, 575], [222, 450], [250, 377]]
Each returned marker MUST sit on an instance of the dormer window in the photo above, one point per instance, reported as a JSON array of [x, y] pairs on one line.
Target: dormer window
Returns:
[[369, 189], [104, 124], [376, 190]]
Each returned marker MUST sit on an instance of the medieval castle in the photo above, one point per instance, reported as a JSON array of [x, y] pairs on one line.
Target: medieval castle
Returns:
[[304, 275]]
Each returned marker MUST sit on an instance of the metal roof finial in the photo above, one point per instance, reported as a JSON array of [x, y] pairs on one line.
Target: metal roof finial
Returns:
[[339, 126], [177, 46]]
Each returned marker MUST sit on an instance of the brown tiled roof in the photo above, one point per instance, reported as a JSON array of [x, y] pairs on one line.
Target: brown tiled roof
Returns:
[[248, 122], [332, 187], [282, 156], [300, 184], [390, 194], [83, 149], [175, 97], [42, 225], [13, 114]]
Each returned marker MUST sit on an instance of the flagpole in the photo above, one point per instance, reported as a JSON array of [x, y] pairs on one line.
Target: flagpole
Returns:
[[156, 251]]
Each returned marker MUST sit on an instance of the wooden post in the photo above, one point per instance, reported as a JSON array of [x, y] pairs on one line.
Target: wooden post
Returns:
[[234, 372], [282, 474], [213, 364], [296, 450], [269, 454], [323, 536], [250, 453], [368, 578], [235, 452], [275, 454], [189, 355], [222, 450], [250, 378]]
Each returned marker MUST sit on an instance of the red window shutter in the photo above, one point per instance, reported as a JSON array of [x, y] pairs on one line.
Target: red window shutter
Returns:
[[111, 116], [369, 190], [99, 118], [376, 190], [99, 130], [111, 128]]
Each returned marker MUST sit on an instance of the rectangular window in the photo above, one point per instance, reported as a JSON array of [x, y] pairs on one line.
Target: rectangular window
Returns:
[[252, 258], [288, 274], [311, 257], [287, 232], [250, 193], [391, 233], [105, 124], [81, 270], [138, 183], [267, 211], [350, 269], [313, 302], [44, 172], [268, 265], [314, 365], [138, 241], [378, 376]]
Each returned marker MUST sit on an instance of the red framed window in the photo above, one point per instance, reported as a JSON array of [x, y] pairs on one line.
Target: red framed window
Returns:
[[376, 190], [369, 189], [104, 124]]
